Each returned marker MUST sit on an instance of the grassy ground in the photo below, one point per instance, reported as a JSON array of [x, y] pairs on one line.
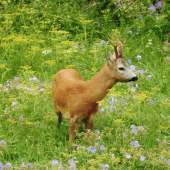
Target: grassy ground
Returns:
[[131, 129]]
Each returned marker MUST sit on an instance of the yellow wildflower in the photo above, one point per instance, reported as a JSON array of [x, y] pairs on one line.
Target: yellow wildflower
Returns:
[[119, 121], [93, 51], [86, 21], [29, 123], [59, 32], [2, 66], [50, 62], [12, 121]]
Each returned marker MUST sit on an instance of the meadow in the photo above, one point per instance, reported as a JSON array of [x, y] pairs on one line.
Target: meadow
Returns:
[[132, 126]]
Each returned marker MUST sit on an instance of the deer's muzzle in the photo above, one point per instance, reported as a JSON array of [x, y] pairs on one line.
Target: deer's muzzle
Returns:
[[134, 79]]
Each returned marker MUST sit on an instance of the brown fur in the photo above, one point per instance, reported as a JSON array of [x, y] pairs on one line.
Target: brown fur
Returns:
[[75, 96], [77, 99]]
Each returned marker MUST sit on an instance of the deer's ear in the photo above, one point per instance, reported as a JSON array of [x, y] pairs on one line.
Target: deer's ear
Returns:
[[110, 58]]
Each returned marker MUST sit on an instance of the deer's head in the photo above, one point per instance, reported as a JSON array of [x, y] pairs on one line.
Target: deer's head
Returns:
[[118, 68]]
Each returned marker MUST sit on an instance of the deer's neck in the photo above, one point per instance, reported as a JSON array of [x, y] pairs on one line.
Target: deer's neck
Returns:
[[99, 85]]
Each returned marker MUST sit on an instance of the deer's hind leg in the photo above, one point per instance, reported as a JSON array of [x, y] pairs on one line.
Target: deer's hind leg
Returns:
[[59, 114], [60, 117]]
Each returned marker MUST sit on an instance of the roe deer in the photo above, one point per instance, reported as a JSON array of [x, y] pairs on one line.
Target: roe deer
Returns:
[[77, 99]]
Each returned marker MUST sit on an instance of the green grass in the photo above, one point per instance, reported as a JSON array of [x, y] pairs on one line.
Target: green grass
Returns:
[[37, 39]]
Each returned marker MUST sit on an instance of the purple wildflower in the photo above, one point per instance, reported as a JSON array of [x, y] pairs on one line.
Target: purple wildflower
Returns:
[[104, 166], [159, 4], [161, 158], [128, 156], [122, 100], [93, 150], [132, 67], [8, 165], [152, 8], [16, 78], [98, 132], [23, 164], [112, 155], [133, 89], [140, 71], [96, 144], [132, 126], [140, 16], [157, 140], [119, 5], [138, 57], [111, 102], [142, 158], [114, 99], [111, 108], [14, 103], [102, 147], [156, 15], [72, 164], [30, 165], [98, 26], [89, 149], [33, 79], [41, 90], [135, 131], [1, 166], [103, 42], [135, 143], [2, 143], [54, 162], [124, 135], [168, 162], [141, 128], [101, 111], [20, 118], [129, 61], [168, 58], [152, 102], [168, 33], [70, 161], [126, 104], [149, 77], [76, 45]]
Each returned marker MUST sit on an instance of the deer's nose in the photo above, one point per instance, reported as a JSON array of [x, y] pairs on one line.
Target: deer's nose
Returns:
[[134, 79]]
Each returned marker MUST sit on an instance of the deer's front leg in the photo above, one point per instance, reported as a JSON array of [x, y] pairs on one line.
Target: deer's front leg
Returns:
[[72, 129]]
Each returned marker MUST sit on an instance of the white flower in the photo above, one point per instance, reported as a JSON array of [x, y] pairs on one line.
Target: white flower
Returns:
[[46, 52]]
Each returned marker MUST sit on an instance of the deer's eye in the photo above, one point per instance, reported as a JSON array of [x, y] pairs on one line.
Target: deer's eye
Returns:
[[121, 68]]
